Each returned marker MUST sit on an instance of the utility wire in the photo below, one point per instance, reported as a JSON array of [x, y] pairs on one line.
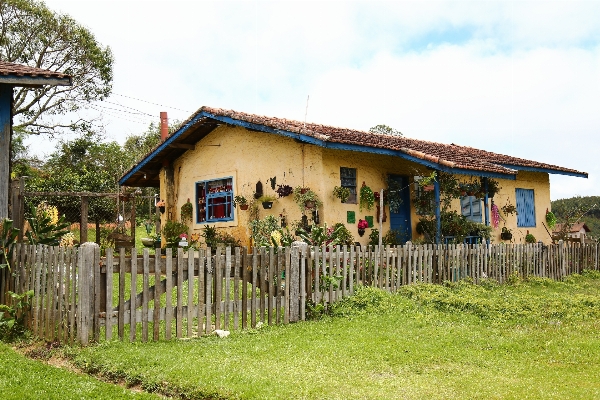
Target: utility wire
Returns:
[[131, 108], [149, 102]]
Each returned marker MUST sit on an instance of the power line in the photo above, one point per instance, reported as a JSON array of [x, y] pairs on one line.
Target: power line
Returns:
[[149, 102], [119, 117], [136, 112]]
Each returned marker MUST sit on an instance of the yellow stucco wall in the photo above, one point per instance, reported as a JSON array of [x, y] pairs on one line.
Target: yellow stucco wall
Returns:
[[250, 157]]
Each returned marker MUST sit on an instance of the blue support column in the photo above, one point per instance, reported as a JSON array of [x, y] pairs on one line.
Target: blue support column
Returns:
[[485, 204], [5, 133], [438, 218]]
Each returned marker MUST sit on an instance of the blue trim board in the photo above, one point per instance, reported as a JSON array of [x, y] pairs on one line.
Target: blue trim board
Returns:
[[546, 170], [16, 80], [310, 140]]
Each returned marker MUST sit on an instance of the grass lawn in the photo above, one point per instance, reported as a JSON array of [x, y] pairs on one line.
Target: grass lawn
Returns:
[[22, 378], [537, 339]]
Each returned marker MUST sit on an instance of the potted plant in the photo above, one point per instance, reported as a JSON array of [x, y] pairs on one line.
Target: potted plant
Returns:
[[506, 234], [550, 219], [367, 197], [529, 238], [427, 182], [509, 209], [306, 198], [284, 190], [161, 206], [362, 225], [341, 193], [493, 187], [240, 201], [186, 211], [267, 201], [172, 232]]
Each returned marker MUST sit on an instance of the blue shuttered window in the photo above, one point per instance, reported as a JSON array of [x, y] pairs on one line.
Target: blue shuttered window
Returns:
[[214, 200], [525, 208], [470, 207]]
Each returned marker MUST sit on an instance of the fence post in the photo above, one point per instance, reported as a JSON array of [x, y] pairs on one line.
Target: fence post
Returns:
[[85, 288], [293, 280], [83, 228]]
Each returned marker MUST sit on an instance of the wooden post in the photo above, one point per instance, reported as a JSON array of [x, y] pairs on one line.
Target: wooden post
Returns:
[[85, 287], [292, 286], [83, 229], [132, 220], [6, 98]]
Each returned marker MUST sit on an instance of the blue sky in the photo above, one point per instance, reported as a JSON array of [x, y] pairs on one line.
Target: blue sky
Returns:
[[519, 78]]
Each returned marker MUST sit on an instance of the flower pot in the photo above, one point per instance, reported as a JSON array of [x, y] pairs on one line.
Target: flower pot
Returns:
[[243, 206], [361, 232], [309, 204], [161, 209], [148, 242], [505, 235], [428, 188], [183, 243], [267, 205]]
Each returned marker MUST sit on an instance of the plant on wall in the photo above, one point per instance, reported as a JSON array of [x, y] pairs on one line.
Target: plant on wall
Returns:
[[306, 198], [186, 211], [341, 193], [284, 190], [241, 201], [529, 238], [550, 219], [367, 197]]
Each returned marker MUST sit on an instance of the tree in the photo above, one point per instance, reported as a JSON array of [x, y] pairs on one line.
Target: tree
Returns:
[[385, 130], [33, 35]]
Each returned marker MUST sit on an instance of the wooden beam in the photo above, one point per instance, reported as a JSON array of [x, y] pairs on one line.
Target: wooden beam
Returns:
[[182, 146], [34, 81]]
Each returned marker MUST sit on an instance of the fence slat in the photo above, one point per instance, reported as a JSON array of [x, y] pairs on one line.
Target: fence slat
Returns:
[[108, 330], [133, 292], [157, 295], [145, 293]]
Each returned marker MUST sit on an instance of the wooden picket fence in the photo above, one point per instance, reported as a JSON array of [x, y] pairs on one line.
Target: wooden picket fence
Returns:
[[81, 296]]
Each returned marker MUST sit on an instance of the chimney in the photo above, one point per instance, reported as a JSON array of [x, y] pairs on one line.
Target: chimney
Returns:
[[164, 126]]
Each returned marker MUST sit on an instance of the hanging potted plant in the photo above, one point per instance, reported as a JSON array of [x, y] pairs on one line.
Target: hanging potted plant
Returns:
[[161, 206], [506, 234], [550, 219], [186, 211], [240, 201], [284, 190], [306, 198], [342, 193], [362, 225], [367, 197], [267, 201]]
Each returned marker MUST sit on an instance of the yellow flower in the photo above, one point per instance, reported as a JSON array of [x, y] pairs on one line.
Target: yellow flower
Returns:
[[276, 237]]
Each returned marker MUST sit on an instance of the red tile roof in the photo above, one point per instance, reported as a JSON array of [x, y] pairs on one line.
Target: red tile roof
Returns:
[[450, 155], [7, 68]]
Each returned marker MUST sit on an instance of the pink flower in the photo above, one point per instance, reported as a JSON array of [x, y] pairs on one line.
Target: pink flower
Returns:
[[183, 236], [363, 224]]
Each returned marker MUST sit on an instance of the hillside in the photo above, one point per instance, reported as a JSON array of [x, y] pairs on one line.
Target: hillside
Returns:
[[589, 206]]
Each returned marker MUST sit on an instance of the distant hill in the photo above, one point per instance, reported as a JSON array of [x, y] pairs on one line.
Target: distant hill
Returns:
[[590, 204]]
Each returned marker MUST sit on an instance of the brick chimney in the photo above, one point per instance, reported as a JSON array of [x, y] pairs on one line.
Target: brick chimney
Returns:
[[164, 126]]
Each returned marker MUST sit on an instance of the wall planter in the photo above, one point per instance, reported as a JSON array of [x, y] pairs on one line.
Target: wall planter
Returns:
[[506, 234], [267, 205], [243, 207], [361, 232]]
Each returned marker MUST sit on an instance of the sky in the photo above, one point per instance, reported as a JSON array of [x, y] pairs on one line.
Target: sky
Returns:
[[514, 77]]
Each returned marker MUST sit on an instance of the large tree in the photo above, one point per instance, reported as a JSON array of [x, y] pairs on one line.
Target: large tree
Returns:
[[33, 35]]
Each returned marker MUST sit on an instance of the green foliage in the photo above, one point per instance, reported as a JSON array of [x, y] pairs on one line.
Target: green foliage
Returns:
[[367, 197], [577, 209], [529, 238], [343, 236], [240, 201], [385, 130], [43, 230], [187, 211], [261, 230], [341, 193], [302, 195], [172, 231], [393, 237], [213, 238], [324, 236], [32, 34], [12, 318], [453, 224], [8, 238], [550, 220]]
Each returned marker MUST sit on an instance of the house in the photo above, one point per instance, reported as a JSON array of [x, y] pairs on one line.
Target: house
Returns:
[[576, 231], [217, 154], [11, 76]]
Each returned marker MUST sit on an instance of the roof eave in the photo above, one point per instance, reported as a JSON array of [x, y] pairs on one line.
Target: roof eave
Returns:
[[547, 170], [35, 81]]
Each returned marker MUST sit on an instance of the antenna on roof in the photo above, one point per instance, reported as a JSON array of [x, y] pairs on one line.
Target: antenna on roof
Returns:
[[306, 111]]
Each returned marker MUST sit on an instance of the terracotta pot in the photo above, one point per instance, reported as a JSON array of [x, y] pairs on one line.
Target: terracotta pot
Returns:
[[243, 206], [428, 188], [309, 204]]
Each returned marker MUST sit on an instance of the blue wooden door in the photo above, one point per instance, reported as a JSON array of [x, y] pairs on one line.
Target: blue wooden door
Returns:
[[400, 218]]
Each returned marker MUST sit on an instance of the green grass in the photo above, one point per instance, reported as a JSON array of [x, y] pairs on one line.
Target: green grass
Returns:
[[22, 378], [536, 339]]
